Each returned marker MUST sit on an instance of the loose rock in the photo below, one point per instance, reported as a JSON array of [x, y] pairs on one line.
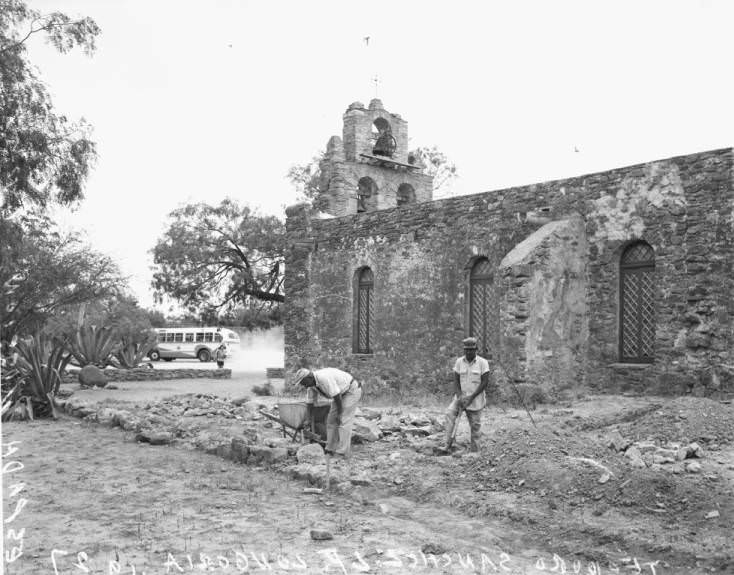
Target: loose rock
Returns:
[[91, 375], [366, 430], [615, 441], [312, 454], [321, 535], [635, 457], [433, 549], [154, 437], [367, 413]]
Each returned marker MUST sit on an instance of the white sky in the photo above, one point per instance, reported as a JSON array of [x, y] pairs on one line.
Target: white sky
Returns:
[[196, 101]]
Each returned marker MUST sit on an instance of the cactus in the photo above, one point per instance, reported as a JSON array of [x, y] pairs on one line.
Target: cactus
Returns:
[[133, 349], [91, 345], [40, 365]]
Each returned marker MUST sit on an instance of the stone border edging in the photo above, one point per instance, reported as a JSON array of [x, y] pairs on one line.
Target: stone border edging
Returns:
[[147, 374]]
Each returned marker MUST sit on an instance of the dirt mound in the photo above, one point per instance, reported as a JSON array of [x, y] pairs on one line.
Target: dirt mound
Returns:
[[684, 419], [545, 460]]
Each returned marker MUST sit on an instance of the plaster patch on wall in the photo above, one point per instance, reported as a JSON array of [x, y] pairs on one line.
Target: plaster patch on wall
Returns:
[[620, 216], [544, 306]]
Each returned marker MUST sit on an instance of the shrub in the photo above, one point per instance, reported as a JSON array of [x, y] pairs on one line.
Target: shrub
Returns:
[[37, 377]]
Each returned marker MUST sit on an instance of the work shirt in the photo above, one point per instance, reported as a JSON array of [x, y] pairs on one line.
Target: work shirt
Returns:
[[470, 377], [330, 383]]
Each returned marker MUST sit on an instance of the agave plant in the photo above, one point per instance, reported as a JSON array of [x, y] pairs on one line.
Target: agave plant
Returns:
[[133, 349], [39, 367], [91, 345]]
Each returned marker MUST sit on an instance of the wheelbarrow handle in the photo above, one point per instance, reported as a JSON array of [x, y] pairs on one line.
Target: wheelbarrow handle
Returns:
[[307, 434]]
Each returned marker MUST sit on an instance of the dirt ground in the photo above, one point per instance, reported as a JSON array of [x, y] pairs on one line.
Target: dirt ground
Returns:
[[534, 500]]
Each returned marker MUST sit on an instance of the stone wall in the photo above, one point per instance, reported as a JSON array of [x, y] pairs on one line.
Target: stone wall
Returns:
[[147, 374], [683, 207]]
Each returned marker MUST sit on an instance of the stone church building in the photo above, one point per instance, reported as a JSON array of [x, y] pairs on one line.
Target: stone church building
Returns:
[[613, 281]]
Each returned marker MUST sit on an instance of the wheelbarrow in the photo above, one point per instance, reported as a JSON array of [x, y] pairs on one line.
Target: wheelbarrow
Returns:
[[293, 417]]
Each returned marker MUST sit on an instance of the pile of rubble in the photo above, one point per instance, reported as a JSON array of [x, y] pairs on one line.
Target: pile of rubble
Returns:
[[236, 430], [650, 453], [392, 424]]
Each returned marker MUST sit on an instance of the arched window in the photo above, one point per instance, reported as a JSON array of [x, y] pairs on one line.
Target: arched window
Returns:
[[385, 143], [366, 195], [483, 311], [406, 195], [364, 306], [637, 304]]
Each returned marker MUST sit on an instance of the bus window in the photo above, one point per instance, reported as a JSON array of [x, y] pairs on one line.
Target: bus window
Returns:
[[178, 338], [208, 337], [169, 338], [200, 336], [217, 337], [189, 338], [161, 336]]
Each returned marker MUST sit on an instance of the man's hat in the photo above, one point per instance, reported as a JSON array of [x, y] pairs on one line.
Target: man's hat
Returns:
[[470, 343], [300, 374]]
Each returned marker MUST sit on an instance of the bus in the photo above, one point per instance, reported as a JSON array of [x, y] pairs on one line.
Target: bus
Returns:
[[192, 343]]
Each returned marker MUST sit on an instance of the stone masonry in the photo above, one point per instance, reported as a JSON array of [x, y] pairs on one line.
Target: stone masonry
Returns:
[[350, 164], [555, 248]]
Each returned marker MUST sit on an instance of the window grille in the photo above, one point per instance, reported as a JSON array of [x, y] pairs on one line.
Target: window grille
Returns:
[[483, 307], [365, 311], [637, 304]]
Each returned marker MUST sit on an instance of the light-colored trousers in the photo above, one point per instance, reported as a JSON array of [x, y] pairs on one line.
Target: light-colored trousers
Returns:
[[339, 437], [474, 417]]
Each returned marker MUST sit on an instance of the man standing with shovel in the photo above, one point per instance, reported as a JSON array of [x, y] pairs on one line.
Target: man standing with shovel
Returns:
[[471, 377]]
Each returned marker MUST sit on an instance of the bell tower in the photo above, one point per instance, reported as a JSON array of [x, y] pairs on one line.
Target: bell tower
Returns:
[[368, 169]]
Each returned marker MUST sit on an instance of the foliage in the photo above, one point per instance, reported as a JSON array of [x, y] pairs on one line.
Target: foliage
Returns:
[[156, 318], [436, 164], [253, 318], [133, 349], [43, 271], [92, 345], [306, 178], [219, 257], [118, 311], [38, 370], [43, 156]]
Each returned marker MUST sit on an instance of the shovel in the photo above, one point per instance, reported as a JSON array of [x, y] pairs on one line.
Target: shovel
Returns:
[[455, 429]]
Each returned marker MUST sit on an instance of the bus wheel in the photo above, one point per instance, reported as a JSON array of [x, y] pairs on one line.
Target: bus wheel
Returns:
[[154, 355], [204, 355]]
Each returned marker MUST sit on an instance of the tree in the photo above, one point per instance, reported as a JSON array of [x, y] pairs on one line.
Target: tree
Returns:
[[43, 270], [436, 164], [119, 311], [306, 178], [218, 257], [43, 156]]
